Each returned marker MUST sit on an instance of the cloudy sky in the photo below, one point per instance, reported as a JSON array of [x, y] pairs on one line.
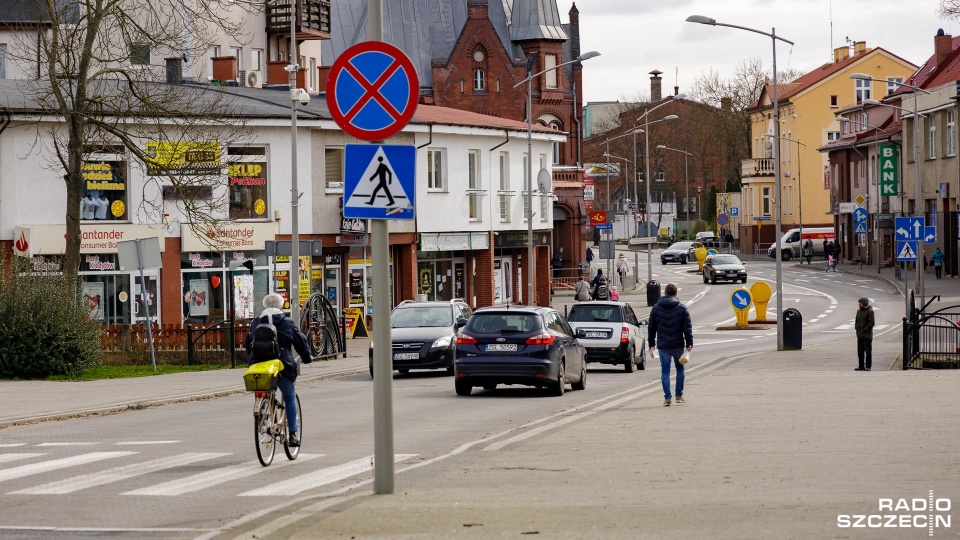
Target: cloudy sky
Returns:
[[635, 37]]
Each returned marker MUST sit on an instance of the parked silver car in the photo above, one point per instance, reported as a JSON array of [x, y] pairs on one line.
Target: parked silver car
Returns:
[[611, 333]]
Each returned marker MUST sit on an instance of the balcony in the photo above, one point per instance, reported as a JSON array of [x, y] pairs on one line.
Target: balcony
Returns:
[[757, 167], [313, 18]]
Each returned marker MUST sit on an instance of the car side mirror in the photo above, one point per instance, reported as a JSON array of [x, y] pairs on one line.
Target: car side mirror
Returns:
[[461, 322], [643, 322], [581, 333]]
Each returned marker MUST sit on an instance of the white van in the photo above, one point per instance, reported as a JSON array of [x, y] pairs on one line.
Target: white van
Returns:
[[791, 243]]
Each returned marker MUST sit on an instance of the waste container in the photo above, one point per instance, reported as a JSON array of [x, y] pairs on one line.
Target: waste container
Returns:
[[792, 330], [653, 292]]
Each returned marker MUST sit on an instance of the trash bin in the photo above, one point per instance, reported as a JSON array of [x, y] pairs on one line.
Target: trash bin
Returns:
[[792, 330], [653, 292]]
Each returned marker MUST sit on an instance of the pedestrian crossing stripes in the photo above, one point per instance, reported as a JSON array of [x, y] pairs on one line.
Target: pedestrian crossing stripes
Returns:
[[212, 478]]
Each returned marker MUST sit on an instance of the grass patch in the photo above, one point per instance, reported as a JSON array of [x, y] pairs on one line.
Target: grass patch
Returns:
[[122, 372]]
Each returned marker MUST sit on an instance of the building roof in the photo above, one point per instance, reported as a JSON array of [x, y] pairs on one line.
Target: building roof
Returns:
[[536, 19], [930, 75]]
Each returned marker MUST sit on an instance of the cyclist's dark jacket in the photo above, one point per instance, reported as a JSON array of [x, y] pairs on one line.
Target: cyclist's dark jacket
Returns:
[[287, 335], [670, 323]]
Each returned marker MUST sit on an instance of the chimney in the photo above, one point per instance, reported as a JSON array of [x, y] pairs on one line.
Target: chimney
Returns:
[[174, 70], [656, 93], [859, 47], [574, 31], [477, 9], [942, 46], [676, 90], [841, 53], [726, 104]]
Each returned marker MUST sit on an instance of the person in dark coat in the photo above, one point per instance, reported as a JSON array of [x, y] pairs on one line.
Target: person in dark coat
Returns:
[[863, 325], [288, 336], [671, 327], [589, 257]]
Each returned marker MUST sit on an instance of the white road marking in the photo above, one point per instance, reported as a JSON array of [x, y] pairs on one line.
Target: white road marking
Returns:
[[698, 296], [11, 445], [53, 465], [67, 444], [6, 458], [100, 478], [213, 478], [136, 443], [319, 478]]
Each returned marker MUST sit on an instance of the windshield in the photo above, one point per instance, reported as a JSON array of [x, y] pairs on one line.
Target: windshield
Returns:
[[421, 316], [725, 259], [586, 313], [502, 323], [680, 246]]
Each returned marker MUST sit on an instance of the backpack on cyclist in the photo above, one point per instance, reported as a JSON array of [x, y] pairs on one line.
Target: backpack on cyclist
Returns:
[[602, 293], [265, 345]]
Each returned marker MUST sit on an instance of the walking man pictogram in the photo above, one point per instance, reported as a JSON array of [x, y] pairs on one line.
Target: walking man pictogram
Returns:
[[382, 172]]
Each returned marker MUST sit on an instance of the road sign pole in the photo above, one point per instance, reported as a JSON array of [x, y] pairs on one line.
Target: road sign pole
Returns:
[[383, 451]]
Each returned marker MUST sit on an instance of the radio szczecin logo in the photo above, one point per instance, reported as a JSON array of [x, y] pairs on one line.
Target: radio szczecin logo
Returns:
[[929, 513]]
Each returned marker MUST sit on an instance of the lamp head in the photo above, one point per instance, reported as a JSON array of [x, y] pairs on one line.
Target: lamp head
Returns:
[[842, 119], [670, 117], [861, 77], [588, 55], [701, 19], [870, 102], [681, 95], [662, 147]]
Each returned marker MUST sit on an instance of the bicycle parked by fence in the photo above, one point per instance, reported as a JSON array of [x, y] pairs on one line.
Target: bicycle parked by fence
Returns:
[[269, 415]]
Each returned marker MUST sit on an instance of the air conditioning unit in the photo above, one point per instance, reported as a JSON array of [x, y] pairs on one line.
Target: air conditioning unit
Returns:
[[253, 79]]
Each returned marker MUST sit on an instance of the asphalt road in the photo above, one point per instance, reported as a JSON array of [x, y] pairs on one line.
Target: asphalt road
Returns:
[[182, 470]]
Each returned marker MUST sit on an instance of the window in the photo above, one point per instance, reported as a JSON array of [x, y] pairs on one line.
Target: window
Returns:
[[766, 201], [104, 175], [248, 183], [313, 74], [834, 101], [214, 53], [855, 173], [435, 169], [479, 79], [505, 186], [237, 53], [550, 77], [140, 54], [527, 192], [3, 60], [932, 138], [333, 165], [834, 135], [544, 206], [556, 145], [256, 59], [861, 90], [951, 137], [473, 182], [893, 83]]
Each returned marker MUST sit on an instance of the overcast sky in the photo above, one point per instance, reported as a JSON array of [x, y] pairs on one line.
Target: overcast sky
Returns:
[[635, 37]]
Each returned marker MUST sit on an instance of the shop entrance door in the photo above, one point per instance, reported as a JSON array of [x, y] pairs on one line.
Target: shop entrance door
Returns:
[[459, 279], [153, 299]]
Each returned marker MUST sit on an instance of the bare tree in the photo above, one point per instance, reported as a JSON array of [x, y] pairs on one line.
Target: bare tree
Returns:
[[950, 9], [94, 75]]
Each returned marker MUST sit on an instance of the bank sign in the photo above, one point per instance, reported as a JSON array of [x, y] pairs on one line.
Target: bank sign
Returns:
[[889, 171]]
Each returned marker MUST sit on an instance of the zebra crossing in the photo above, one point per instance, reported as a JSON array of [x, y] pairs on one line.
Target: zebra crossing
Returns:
[[132, 465]]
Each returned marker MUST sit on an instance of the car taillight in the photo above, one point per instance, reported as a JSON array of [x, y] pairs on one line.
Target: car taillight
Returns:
[[540, 339], [624, 334], [466, 339]]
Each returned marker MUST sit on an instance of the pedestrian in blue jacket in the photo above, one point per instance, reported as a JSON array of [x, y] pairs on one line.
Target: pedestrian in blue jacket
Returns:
[[670, 325]]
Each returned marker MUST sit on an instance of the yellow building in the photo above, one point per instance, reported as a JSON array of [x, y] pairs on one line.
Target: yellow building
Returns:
[[807, 107]]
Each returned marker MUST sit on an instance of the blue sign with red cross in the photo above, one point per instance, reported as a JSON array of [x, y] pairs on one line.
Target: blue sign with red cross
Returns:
[[372, 90]]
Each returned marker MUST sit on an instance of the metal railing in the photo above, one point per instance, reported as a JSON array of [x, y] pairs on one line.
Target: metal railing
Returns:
[[932, 340]]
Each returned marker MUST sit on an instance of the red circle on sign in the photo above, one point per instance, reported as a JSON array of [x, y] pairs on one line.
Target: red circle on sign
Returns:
[[344, 118]]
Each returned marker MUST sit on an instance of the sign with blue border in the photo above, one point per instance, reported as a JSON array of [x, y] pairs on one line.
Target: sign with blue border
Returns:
[[908, 229], [930, 234], [860, 215], [603, 226], [379, 181], [740, 299], [906, 251], [734, 211]]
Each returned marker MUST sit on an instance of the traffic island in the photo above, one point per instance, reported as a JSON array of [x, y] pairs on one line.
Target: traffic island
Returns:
[[762, 322], [747, 327]]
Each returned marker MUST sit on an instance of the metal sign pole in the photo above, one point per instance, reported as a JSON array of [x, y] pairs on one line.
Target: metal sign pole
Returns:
[[146, 307]]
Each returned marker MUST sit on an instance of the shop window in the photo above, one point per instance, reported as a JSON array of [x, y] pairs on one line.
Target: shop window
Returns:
[[333, 165], [248, 190], [104, 188]]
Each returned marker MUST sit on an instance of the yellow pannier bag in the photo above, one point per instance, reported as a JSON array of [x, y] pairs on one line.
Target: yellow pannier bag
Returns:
[[263, 376]]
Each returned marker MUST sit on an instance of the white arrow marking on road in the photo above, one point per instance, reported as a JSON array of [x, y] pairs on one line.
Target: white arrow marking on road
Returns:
[[319, 478], [100, 478], [5, 458], [211, 478], [47, 466], [904, 232]]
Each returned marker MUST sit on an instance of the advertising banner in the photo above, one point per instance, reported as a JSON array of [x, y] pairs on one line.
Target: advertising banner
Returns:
[[889, 171], [199, 298]]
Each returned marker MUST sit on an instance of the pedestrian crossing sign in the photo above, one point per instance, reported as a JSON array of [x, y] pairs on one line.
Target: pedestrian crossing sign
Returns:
[[379, 181], [861, 228], [906, 252]]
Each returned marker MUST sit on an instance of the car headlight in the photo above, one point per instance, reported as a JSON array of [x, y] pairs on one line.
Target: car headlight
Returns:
[[442, 342]]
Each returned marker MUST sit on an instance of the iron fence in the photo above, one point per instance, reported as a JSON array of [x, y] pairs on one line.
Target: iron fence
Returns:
[[931, 340]]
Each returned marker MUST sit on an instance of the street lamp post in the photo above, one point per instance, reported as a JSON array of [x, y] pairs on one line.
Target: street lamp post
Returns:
[[918, 191], [799, 183], [528, 196], [686, 178], [607, 155], [776, 158]]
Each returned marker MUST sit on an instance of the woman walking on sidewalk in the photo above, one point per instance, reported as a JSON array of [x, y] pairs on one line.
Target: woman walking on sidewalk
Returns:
[[937, 258]]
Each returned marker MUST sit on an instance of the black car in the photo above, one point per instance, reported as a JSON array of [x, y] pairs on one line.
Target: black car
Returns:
[[424, 334], [724, 267], [527, 345]]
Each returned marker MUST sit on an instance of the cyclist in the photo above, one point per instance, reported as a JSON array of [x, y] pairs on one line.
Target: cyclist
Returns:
[[288, 335]]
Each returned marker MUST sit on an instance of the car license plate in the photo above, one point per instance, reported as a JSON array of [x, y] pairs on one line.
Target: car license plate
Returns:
[[501, 347], [406, 356], [601, 335]]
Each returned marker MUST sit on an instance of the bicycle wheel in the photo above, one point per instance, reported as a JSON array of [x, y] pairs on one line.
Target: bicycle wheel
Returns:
[[293, 451], [263, 431]]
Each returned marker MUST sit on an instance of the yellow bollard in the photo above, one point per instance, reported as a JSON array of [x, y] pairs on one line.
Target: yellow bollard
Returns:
[[761, 292], [701, 255], [741, 299]]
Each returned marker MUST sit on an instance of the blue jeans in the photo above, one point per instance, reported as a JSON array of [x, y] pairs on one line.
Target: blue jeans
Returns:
[[289, 390], [665, 357]]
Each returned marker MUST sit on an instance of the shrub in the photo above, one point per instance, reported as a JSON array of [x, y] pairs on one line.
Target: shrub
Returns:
[[44, 325]]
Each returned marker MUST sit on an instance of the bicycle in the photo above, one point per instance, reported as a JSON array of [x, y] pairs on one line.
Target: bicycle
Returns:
[[269, 415]]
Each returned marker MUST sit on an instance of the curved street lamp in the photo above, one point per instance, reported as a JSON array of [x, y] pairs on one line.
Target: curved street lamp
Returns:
[[686, 177]]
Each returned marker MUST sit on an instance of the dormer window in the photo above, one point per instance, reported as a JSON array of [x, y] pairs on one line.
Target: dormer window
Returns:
[[479, 71]]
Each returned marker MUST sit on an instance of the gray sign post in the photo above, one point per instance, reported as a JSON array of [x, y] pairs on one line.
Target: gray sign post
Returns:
[[142, 253]]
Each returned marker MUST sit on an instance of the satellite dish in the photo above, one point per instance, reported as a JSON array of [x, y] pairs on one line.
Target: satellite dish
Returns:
[[545, 181]]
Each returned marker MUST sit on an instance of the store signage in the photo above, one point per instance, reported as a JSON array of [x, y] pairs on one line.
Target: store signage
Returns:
[[94, 263], [246, 174], [94, 238], [889, 171], [454, 241], [103, 175], [354, 239], [516, 239], [183, 158], [353, 225], [228, 236]]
